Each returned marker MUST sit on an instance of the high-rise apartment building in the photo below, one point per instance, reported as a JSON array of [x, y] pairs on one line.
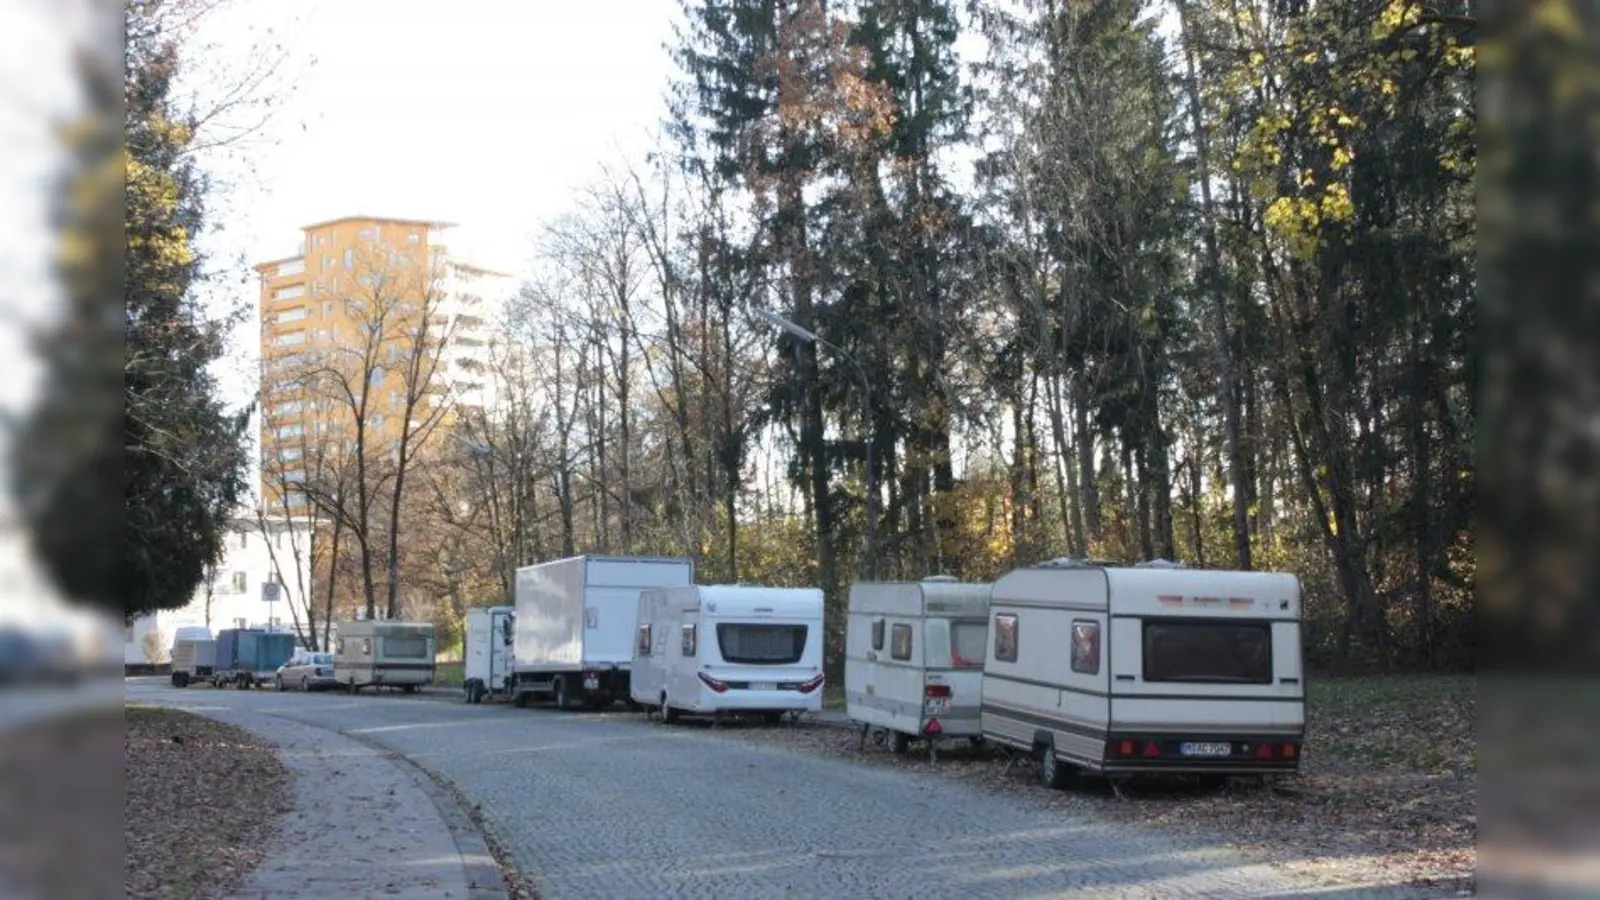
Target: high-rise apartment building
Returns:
[[373, 333]]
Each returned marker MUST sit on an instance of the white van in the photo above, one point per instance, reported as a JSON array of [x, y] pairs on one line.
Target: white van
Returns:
[[711, 650], [1150, 668], [913, 666]]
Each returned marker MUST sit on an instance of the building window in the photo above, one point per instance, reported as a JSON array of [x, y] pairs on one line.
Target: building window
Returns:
[[240, 582], [290, 292], [293, 337], [298, 476], [1005, 637], [414, 237], [292, 267], [292, 315], [290, 431], [900, 641], [240, 623], [288, 408], [290, 454], [349, 258]]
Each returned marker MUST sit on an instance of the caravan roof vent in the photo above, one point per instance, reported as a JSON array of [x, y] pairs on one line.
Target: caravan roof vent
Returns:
[[1064, 562], [1159, 564], [944, 579]]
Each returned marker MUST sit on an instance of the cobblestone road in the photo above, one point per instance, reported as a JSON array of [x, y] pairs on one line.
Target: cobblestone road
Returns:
[[608, 806]]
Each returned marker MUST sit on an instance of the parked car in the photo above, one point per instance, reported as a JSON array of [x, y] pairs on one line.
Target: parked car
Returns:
[[306, 671]]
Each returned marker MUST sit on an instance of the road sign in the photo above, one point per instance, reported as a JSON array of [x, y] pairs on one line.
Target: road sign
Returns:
[[271, 591]]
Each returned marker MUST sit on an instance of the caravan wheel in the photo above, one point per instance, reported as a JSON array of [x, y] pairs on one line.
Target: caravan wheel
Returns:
[[1054, 775]]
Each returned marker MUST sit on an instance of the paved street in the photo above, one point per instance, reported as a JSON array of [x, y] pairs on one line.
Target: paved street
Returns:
[[609, 806]]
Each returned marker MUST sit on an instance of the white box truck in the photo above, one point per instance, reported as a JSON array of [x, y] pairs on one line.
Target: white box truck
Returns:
[[194, 656], [490, 633], [729, 650], [574, 626]]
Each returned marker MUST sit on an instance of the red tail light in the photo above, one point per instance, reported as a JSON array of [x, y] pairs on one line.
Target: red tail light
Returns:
[[1151, 748], [806, 687], [720, 687], [936, 690], [1263, 750], [933, 727]]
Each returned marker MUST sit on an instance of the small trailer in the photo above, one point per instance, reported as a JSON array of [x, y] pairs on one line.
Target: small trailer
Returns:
[[193, 656], [729, 649], [574, 626], [1151, 668], [913, 666], [377, 653], [491, 632], [250, 657]]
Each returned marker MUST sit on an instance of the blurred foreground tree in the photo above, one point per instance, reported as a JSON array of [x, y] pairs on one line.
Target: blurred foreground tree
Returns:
[[182, 452]]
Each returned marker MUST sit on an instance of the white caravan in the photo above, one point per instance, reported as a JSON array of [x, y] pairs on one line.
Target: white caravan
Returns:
[[1150, 668], [193, 656], [373, 653], [729, 649], [574, 625], [490, 632], [913, 665]]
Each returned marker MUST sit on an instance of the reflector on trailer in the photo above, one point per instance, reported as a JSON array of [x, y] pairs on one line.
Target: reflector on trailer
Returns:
[[932, 727], [1152, 749]]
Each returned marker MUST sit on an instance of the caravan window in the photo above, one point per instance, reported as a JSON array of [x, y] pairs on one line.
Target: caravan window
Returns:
[[900, 642], [756, 645], [644, 640], [966, 644], [1085, 646], [1005, 637], [877, 634], [405, 647], [691, 641], [1202, 651]]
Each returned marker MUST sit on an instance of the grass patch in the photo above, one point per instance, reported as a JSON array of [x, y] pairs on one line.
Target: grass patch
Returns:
[[448, 674], [201, 798]]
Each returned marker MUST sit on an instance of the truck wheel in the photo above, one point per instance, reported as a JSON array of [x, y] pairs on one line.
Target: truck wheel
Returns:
[[669, 716]]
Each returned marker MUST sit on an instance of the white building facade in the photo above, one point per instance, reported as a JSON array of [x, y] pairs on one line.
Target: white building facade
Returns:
[[256, 552]]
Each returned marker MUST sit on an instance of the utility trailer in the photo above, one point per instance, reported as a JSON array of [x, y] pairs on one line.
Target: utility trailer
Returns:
[[194, 656], [490, 634], [913, 665], [373, 653], [574, 628], [250, 657], [1121, 671]]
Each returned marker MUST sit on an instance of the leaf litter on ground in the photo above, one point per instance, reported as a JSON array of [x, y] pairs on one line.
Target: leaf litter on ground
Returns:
[[202, 799]]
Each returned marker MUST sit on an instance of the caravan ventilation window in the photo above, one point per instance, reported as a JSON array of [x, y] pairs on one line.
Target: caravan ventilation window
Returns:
[[877, 634], [966, 644], [900, 642], [1085, 646], [761, 645], [1005, 637], [405, 647], [691, 641], [644, 640], [1208, 652]]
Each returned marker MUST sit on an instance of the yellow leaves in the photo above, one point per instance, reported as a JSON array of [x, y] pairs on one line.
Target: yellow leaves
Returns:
[[1342, 157], [1301, 221], [1398, 15]]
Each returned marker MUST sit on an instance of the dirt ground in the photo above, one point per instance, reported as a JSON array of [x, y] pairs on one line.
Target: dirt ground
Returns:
[[1388, 785], [201, 799]]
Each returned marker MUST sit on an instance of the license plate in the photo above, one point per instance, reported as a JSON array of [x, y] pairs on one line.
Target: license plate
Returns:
[[1206, 749], [763, 686], [936, 706]]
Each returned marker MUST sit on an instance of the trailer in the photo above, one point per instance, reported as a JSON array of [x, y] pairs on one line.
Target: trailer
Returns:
[[250, 657], [1121, 671], [574, 625], [193, 655], [913, 666], [375, 653], [729, 650], [490, 634]]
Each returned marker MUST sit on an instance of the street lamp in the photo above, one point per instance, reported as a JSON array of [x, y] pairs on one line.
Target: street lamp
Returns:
[[809, 337]]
